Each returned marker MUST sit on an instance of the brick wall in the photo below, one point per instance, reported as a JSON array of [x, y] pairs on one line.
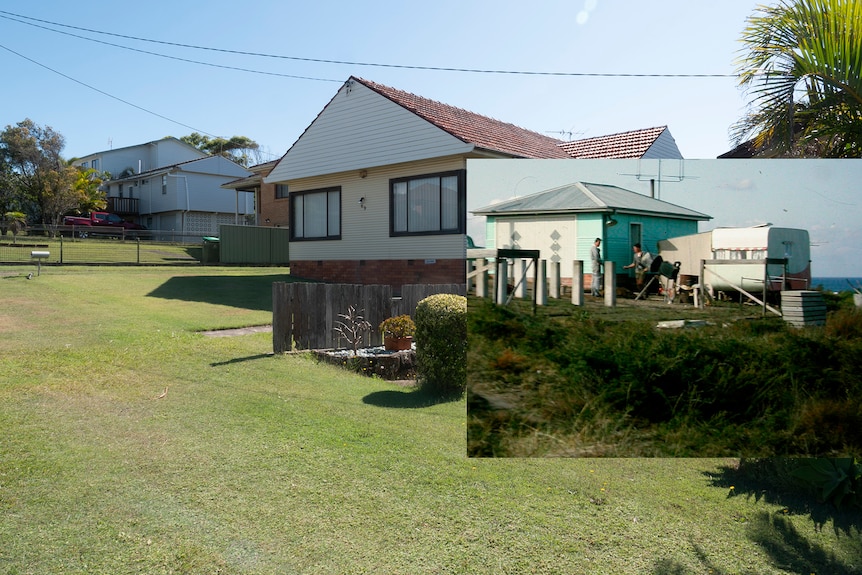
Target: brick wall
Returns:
[[392, 272]]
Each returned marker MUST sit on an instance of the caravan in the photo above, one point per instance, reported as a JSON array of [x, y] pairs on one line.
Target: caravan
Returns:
[[756, 259]]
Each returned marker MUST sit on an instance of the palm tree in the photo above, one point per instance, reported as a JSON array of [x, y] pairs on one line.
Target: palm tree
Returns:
[[802, 67], [16, 222]]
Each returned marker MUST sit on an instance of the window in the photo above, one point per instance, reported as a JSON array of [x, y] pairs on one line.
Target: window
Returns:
[[164, 185], [429, 204], [316, 214], [280, 191], [96, 164]]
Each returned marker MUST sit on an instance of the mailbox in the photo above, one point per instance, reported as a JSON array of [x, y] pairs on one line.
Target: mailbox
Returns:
[[39, 256]]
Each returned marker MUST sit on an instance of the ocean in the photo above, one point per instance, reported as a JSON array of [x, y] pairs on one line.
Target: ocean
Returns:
[[837, 284]]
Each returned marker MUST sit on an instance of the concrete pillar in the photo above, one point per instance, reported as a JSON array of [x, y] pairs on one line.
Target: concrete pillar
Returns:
[[610, 284], [542, 284], [578, 283], [502, 288], [519, 266], [554, 280], [471, 281], [482, 278]]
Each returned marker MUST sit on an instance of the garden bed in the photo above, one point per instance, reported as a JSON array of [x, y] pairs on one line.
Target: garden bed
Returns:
[[373, 361]]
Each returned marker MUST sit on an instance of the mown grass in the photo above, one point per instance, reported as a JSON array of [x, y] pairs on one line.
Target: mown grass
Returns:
[[255, 463], [616, 385]]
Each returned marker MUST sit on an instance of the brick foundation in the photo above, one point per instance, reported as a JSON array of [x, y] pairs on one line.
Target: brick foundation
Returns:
[[393, 272]]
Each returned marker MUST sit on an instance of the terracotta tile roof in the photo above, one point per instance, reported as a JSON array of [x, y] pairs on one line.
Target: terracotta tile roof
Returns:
[[632, 144], [482, 131]]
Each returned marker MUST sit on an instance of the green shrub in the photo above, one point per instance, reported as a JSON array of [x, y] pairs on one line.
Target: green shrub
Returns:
[[441, 344]]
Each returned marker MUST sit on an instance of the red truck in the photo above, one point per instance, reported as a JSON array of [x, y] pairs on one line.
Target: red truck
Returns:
[[99, 220]]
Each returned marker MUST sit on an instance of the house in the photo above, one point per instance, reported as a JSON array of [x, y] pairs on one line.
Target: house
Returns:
[[172, 186], [645, 144], [187, 198], [270, 199], [376, 185], [563, 222]]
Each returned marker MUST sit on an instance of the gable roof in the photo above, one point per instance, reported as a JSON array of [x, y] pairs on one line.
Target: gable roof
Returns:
[[230, 164], [258, 172], [588, 197], [472, 128], [632, 144], [166, 139]]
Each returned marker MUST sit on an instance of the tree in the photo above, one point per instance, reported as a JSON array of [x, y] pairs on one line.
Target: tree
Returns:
[[59, 195], [242, 150], [15, 222], [802, 67], [31, 154], [88, 187]]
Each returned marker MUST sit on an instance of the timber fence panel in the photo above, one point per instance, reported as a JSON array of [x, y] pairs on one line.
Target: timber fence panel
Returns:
[[412, 294], [282, 324], [306, 314]]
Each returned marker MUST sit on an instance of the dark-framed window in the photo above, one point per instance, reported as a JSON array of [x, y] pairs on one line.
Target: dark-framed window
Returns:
[[428, 204], [280, 191], [316, 214]]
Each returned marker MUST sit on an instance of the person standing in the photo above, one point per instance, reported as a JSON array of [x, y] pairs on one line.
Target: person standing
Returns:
[[642, 261], [596, 259]]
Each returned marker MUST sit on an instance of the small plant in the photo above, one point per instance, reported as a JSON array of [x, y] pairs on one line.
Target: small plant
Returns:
[[398, 326], [836, 480], [352, 327]]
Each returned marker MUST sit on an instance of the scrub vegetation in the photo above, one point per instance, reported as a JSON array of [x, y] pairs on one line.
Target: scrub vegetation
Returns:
[[567, 383]]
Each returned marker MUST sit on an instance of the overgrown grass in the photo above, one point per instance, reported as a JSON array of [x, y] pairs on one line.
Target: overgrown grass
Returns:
[[254, 463], [580, 385]]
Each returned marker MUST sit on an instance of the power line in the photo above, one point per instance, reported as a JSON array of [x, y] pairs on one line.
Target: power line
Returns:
[[369, 64], [168, 56], [106, 93]]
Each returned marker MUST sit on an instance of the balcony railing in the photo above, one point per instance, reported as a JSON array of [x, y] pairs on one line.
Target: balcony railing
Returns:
[[123, 206]]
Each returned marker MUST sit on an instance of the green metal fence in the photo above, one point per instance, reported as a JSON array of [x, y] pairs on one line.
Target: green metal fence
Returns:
[[63, 250]]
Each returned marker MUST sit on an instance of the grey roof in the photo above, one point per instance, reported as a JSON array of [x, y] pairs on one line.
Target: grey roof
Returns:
[[587, 197]]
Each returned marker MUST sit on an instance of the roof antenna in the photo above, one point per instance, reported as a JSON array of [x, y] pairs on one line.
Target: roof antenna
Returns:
[[569, 134]]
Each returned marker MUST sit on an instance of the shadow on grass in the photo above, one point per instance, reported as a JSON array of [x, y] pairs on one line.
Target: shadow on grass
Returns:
[[408, 399], [246, 292], [241, 359], [763, 480], [780, 539]]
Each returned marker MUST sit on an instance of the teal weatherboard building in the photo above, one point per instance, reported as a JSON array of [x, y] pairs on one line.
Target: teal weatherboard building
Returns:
[[564, 222]]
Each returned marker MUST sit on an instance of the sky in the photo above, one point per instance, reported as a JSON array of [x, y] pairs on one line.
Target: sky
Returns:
[[820, 196], [60, 72], [562, 68]]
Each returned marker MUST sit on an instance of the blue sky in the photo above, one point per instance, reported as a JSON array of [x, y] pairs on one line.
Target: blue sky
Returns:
[[572, 36]]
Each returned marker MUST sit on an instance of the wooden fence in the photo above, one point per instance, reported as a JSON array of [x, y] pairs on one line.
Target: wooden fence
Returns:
[[304, 315]]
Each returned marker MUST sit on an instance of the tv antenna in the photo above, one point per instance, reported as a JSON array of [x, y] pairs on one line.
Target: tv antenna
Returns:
[[568, 133], [655, 179]]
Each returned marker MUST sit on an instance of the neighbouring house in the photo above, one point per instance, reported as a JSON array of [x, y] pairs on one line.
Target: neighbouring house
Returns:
[[188, 198], [563, 222], [376, 184], [171, 186], [269, 199]]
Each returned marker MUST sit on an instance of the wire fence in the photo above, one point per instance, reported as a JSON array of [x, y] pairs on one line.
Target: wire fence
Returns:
[[68, 245]]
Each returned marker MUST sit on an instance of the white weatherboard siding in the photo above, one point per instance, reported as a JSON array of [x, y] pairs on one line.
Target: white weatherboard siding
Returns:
[[555, 236], [664, 147], [360, 129], [365, 232]]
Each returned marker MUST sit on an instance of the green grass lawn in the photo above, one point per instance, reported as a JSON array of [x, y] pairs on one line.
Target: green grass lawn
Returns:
[[254, 463]]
